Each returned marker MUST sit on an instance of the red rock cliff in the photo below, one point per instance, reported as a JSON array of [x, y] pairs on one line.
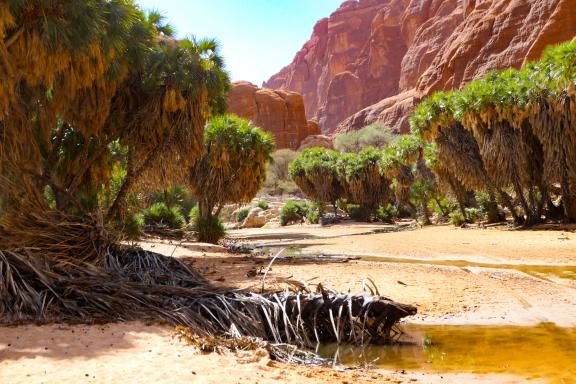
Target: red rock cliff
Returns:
[[280, 112], [375, 59]]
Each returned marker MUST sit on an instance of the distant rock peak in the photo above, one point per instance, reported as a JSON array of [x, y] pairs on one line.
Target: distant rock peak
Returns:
[[375, 59]]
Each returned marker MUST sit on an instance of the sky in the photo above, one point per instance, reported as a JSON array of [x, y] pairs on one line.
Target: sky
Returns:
[[257, 37]]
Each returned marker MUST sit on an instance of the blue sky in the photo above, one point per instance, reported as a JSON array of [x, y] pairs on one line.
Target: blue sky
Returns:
[[258, 37]]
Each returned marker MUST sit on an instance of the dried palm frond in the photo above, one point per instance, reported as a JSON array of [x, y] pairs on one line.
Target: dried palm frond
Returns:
[[129, 284]]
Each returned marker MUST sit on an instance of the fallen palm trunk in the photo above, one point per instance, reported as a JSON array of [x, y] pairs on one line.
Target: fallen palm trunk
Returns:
[[131, 284]]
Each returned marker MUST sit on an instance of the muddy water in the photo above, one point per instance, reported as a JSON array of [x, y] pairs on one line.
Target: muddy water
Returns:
[[542, 352], [540, 271]]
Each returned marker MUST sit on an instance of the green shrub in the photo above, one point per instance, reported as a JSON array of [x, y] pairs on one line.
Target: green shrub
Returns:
[[374, 135], [488, 207], [293, 212], [387, 214], [444, 207], [133, 227], [161, 214], [314, 212], [474, 214], [193, 215], [360, 213], [209, 230], [313, 217], [456, 218], [263, 204], [242, 214]]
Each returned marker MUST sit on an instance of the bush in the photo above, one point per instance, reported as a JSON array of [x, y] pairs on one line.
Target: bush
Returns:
[[193, 215], [160, 214], [360, 213], [263, 204], [314, 211], [293, 212], [444, 207], [209, 230], [374, 135], [313, 216], [387, 214], [474, 214], [488, 207], [133, 227], [242, 214], [456, 218]]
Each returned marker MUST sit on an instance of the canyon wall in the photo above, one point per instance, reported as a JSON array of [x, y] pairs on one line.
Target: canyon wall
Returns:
[[374, 60], [280, 112]]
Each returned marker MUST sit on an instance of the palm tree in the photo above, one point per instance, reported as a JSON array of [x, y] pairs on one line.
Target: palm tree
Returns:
[[362, 180], [77, 77], [316, 174], [171, 110], [551, 115], [460, 165], [493, 109], [232, 168]]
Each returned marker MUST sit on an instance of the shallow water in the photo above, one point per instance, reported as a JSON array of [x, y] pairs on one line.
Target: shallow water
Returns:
[[540, 271], [545, 351]]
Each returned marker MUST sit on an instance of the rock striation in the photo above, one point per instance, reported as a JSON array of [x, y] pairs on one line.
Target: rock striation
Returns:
[[376, 59], [279, 111]]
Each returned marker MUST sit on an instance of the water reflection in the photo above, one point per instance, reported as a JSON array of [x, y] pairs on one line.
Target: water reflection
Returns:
[[545, 351]]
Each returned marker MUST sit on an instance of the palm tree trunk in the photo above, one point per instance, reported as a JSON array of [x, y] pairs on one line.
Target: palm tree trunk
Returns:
[[542, 201], [459, 197], [520, 193], [426, 213], [444, 211], [492, 211], [119, 205], [534, 216], [568, 201], [507, 200]]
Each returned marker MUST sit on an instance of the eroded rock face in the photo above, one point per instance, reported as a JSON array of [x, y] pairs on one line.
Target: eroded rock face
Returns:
[[278, 111], [316, 141], [375, 59]]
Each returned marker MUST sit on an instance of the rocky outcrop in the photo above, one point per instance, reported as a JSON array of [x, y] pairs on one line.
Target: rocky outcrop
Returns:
[[316, 141], [313, 128], [376, 59], [278, 111], [256, 219]]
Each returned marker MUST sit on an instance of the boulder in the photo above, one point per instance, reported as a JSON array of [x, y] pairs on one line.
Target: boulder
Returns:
[[317, 141], [256, 219]]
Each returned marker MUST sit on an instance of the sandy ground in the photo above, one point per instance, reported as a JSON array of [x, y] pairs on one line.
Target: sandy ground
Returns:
[[491, 245], [445, 294], [139, 353]]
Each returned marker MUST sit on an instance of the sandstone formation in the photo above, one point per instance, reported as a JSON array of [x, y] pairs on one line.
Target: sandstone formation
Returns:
[[375, 59], [278, 111], [315, 141]]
